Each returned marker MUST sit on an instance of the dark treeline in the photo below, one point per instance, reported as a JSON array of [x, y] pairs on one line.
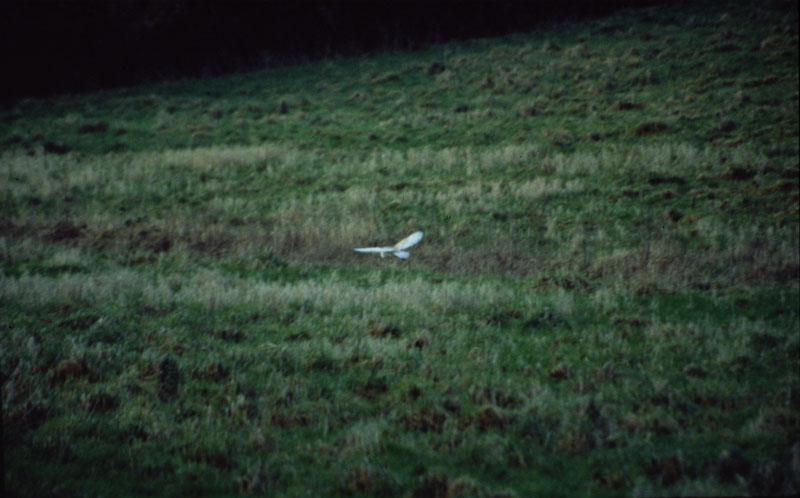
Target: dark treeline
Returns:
[[66, 46]]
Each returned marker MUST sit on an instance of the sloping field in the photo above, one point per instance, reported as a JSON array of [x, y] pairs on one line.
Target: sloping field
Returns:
[[605, 300]]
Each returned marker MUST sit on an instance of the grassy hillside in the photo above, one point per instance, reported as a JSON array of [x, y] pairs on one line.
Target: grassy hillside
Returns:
[[605, 301]]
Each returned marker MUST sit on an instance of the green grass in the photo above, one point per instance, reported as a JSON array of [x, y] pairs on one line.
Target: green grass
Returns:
[[605, 302]]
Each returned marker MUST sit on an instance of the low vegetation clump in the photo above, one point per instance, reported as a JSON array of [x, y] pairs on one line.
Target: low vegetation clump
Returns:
[[605, 301]]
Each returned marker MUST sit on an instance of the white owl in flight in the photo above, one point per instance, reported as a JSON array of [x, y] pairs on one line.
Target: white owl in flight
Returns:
[[398, 249]]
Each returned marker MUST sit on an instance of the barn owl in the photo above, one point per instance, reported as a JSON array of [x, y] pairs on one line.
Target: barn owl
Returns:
[[396, 250]]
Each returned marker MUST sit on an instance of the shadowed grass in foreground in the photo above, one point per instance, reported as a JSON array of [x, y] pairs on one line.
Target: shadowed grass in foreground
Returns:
[[604, 303]]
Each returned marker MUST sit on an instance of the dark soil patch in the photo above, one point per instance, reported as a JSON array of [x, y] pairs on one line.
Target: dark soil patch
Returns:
[[168, 379], [383, 331], [489, 417], [738, 174], [433, 486], [230, 335], [426, 420], [71, 367], [727, 125], [214, 372], [101, 403], [152, 240], [666, 471], [372, 388], [99, 127], [79, 322], [66, 230], [649, 128], [56, 148], [436, 68], [626, 106], [658, 180], [561, 372]]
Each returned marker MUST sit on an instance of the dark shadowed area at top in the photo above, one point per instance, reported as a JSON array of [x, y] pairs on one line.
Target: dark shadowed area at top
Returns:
[[51, 47]]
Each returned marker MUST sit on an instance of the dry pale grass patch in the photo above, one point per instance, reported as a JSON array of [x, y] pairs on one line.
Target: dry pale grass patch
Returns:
[[128, 173], [480, 221], [325, 226], [665, 264], [213, 289], [492, 196], [210, 158]]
